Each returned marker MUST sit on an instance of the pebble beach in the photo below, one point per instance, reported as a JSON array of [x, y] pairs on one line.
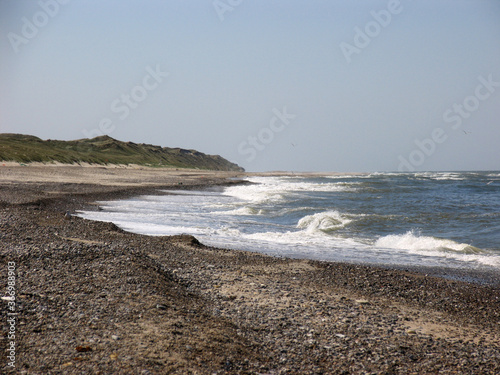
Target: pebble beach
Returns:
[[91, 298]]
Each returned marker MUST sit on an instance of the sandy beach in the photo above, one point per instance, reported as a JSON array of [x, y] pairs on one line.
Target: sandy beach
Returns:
[[91, 298]]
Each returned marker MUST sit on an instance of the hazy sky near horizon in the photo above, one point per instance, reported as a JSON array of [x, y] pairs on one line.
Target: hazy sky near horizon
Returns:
[[271, 85]]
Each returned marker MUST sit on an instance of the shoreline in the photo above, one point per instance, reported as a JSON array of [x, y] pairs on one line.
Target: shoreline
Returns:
[[171, 304]]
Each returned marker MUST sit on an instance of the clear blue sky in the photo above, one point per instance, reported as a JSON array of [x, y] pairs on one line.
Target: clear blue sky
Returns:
[[272, 85]]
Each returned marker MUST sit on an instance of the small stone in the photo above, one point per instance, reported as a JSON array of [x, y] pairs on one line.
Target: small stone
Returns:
[[161, 307], [113, 356], [83, 349], [363, 301], [115, 337]]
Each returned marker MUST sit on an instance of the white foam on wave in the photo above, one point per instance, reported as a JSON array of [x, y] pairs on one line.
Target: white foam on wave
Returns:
[[411, 241], [159, 229], [141, 224], [314, 241], [436, 247], [226, 231], [317, 235], [441, 176], [324, 221], [347, 176], [242, 211], [260, 191], [272, 189]]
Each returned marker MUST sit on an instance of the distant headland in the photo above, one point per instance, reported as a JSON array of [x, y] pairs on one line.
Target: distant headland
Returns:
[[105, 150]]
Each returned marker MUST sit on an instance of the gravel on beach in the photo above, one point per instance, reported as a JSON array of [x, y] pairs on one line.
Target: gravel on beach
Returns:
[[91, 298]]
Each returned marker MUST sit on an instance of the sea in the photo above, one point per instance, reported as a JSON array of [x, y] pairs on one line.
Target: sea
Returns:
[[431, 219]]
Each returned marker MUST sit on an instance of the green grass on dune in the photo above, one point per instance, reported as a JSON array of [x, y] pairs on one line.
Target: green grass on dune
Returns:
[[105, 150]]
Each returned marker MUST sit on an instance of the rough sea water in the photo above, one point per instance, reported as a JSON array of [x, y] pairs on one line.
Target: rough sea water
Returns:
[[435, 219]]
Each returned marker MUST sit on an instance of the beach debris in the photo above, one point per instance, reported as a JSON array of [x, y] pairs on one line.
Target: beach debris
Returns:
[[83, 349], [161, 307]]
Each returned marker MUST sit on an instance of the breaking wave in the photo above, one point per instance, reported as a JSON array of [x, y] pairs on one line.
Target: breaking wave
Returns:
[[324, 221], [414, 242]]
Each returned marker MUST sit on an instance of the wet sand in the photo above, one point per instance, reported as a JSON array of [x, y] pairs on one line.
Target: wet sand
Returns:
[[94, 299]]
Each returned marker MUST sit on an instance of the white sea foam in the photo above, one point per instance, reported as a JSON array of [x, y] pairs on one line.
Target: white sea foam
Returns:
[[440, 176], [302, 240], [242, 211], [347, 176], [226, 231], [276, 215], [437, 247], [272, 189], [412, 241], [323, 221]]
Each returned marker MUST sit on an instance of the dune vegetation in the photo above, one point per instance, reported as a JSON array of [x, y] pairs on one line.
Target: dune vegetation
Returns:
[[106, 150]]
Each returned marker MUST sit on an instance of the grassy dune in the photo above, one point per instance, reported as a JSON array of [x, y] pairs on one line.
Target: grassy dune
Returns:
[[106, 150]]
